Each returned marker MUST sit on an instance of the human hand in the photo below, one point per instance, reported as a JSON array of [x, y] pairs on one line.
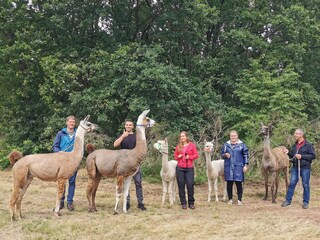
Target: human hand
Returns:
[[245, 168], [187, 156], [227, 155], [180, 156], [125, 134], [298, 156]]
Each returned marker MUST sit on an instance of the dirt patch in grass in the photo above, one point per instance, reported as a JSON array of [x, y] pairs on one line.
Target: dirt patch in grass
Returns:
[[256, 219]]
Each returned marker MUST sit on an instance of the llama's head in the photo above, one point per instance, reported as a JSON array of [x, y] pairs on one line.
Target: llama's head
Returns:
[[88, 126], [144, 121], [266, 130], [208, 146], [161, 146]]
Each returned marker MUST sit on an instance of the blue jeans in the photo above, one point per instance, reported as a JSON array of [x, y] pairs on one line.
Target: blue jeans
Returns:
[[137, 178], [71, 189], [305, 175]]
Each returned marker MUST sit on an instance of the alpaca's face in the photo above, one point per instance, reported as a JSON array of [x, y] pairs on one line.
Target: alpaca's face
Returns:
[[265, 130], [161, 146], [88, 126], [208, 147]]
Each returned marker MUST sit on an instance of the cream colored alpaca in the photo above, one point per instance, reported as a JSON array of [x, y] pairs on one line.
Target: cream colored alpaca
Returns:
[[59, 166], [167, 173], [121, 164], [215, 169], [273, 161]]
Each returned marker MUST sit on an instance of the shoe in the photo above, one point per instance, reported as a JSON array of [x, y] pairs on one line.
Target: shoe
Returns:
[[230, 202], [305, 205], [239, 203], [142, 207], [70, 206], [285, 204], [128, 206], [191, 206], [184, 206]]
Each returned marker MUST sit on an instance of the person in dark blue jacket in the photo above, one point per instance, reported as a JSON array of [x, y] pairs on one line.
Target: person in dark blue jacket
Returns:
[[302, 154], [64, 141], [235, 154]]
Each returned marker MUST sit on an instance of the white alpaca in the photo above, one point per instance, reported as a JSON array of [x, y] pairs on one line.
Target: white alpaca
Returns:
[[214, 170], [168, 171]]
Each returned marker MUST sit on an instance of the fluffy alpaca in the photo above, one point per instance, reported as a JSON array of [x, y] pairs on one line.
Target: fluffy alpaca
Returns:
[[273, 161], [58, 166], [168, 171], [121, 164], [214, 170]]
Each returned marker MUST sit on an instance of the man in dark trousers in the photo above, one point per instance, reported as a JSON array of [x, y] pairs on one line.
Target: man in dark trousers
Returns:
[[302, 153], [128, 141]]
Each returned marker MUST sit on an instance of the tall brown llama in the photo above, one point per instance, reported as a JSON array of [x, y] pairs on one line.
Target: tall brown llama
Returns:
[[273, 161], [121, 164], [59, 166]]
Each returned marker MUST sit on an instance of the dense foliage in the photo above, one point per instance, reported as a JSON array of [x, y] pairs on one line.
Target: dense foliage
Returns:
[[191, 62]]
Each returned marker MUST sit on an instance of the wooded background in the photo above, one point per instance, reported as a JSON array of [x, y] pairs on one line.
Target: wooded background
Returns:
[[201, 66]]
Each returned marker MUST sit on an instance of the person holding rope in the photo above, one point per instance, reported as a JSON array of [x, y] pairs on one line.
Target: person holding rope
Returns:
[[64, 142], [302, 154], [236, 160]]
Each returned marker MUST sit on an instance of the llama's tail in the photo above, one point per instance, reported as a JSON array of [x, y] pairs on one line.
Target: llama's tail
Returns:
[[14, 156], [90, 148]]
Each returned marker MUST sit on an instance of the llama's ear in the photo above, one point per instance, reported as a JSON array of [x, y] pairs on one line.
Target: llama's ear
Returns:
[[205, 141], [87, 118], [166, 140], [261, 124], [212, 141]]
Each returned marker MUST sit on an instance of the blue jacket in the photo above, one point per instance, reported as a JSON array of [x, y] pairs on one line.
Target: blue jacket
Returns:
[[233, 166], [63, 142], [307, 155]]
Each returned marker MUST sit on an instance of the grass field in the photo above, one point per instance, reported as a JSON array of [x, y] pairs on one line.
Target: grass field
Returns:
[[256, 219]]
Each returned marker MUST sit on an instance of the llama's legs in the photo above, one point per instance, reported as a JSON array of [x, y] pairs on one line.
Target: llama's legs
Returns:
[[224, 189], [164, 191], [126, 188], [94, 191], [215, 186], [209, 189], [13, 200], [174, 188], [170, 190], [23, 191], [286, 177], [277, 185], [273, 183], [89, 192], [265, 174], [119, 188], [61, 186]]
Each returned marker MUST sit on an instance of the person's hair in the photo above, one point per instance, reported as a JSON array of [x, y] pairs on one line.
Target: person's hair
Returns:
[[300, 130], [234, 131], [180, 146], [128, 120], [71, 117]]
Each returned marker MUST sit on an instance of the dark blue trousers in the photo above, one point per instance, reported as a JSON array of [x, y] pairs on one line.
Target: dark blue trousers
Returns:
[[185, 177]]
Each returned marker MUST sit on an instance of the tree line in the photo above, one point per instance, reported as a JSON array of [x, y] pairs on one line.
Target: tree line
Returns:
[[201, 66]]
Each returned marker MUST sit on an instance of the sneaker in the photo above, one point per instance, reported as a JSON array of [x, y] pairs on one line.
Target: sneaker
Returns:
[[191, 206], [305, 205], [239, 203], [70, 206], [128, 206], [184, 206], [230, 202], [142, 207], [61, 205], [285, 204]]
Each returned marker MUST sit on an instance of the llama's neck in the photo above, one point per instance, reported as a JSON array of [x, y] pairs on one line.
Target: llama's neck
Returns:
[[79, 145], [165, 163], [208, 161], [140, 150], [266, 148]]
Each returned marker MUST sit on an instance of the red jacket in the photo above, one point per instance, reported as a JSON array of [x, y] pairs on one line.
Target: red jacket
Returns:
[[189, 150]]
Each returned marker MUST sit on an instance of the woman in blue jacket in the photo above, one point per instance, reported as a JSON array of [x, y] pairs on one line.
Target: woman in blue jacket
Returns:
[[235, 154]]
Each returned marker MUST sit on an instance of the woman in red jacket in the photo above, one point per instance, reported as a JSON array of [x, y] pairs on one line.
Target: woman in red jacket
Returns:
[[185, 153]]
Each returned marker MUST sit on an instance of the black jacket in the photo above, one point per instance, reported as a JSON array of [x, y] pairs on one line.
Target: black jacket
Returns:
[[307, 155]]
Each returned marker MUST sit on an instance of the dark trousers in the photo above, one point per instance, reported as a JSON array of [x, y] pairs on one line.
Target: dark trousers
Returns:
[[137, 178], [185, 176], [239, 189], [71, 189]]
